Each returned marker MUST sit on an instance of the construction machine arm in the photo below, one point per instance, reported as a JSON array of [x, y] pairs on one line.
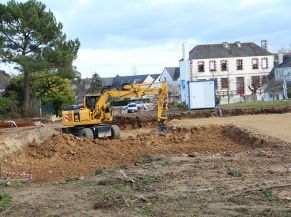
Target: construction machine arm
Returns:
[[132, 90]]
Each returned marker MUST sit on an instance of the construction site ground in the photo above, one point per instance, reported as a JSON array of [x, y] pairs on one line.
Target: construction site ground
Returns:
[[216, 166]]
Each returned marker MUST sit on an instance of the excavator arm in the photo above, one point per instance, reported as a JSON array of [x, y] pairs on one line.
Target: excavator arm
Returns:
[[101, 110]]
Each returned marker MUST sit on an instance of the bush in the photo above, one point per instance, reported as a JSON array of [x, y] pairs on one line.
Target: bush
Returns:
[[217, 100], [234, 173], [178, 106]]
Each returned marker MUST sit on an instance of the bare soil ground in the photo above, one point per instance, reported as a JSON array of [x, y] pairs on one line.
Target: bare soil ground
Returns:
[[234, 166]]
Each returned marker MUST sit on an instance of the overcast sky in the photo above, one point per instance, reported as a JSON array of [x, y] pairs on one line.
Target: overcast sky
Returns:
[[144, 36]]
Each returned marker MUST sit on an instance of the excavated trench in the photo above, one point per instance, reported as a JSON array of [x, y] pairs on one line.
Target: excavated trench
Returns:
[[63, 156]]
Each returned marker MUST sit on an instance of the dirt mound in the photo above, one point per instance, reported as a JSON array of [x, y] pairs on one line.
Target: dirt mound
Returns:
[[23, 122], [150, 119], [16, 123], [15, 139], [64, 155]]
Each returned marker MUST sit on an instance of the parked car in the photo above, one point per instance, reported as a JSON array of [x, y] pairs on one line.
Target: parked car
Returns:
[[132, 107]]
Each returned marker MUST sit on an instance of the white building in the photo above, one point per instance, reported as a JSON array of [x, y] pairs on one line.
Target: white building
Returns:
[[238, 68], [172, 76]]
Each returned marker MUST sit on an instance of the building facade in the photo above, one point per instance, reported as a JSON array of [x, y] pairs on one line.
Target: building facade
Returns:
[[283, 71], [239, 69], [279, 82], [4, 80]]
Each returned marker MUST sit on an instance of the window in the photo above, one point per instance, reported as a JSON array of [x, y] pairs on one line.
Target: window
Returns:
[[191, 65], [200, 65], [255, 82], [240, 86], [239, 64], [223, 65], [255, 63], [265, 63], [212, 65], [224, 83]]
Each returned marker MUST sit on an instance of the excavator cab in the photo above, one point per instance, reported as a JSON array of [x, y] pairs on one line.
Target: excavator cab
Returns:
[[90, 101]]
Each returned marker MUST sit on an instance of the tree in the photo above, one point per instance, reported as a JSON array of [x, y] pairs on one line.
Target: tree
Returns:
[[52, 88], [254, 86], [95, 84], [32, 39]]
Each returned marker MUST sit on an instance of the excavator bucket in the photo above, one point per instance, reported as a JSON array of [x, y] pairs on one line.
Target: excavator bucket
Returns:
[[162, 127]]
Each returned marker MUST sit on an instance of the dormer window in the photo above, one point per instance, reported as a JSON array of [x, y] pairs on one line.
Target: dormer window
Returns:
[[223, 65], [265, 63], [239, 64], [238, 44], [255, 63], [225, 45], [212, 65], [200, 66]]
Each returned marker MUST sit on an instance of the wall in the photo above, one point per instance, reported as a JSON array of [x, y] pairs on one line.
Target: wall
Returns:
[[184, 78], [281, 73]]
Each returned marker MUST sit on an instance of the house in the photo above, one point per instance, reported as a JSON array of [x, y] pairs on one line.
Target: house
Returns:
[[119, 81], [107, 81], [277, 90], [4, 80], [172, 76], [239, 69], [283, 71], [279, 81], [156, 80]]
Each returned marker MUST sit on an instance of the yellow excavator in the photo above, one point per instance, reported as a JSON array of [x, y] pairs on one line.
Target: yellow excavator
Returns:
[[92, 120]]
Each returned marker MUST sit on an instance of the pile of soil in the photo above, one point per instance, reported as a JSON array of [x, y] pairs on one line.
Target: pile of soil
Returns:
[[23, 122], [150, 119], [19, 123], [64, 155]]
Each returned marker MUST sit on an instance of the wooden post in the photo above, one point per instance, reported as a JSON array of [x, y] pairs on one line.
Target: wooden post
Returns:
[[30, 173]]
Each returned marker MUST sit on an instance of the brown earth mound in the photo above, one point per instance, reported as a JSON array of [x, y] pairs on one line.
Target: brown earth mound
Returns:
[[63, 155], [150, 120], [23, 122]]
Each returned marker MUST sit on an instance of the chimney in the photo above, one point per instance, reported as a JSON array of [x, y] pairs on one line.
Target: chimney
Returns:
[[280, 57], [264, 44], [185, 51]]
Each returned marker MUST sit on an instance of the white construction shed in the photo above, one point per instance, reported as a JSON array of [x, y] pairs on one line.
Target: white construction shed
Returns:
[[201, 94]]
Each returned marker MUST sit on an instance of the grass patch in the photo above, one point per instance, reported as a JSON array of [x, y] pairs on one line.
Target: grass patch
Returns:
[[234, 173], [242, 210], [5, 201], [267, 193], [258, 104], [72, 178], [166, 163], [98, 172], [146, 211], [108, 182], [143, 159], [145, 183]]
